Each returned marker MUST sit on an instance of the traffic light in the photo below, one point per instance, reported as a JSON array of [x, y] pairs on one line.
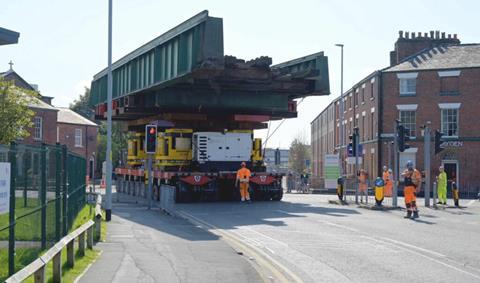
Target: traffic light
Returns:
[[353, 145], [438, 142], [150, 138], [277, 156], [403, 138]]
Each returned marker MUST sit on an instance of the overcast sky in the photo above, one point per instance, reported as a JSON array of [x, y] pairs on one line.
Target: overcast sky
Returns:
[[64, 43]]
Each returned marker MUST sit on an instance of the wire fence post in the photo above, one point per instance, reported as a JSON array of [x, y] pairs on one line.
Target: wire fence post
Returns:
[[64, 189], [58, 205], [11, 235], [25, 178], [43, 195]]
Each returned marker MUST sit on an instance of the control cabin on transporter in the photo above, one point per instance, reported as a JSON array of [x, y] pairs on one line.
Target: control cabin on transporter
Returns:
[[206, 107]]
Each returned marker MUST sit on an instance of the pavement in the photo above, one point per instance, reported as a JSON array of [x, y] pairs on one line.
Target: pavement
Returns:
[[322, 242], [148, 246]]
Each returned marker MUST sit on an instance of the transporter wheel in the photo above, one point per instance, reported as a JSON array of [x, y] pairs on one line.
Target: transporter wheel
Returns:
[[278, 196]]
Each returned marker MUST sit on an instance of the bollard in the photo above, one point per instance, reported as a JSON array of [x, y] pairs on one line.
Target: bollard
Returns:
[[379, 193], [340, 185], [455, 194]]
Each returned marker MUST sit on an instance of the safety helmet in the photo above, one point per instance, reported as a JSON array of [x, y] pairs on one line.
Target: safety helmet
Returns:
[[384, 168], [409, 164], [243, 164]]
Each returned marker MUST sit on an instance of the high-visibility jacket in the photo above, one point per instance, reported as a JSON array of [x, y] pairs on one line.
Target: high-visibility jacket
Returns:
[[243, 175], [442, 180]]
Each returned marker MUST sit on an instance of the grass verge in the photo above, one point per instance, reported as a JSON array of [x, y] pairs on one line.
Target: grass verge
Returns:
[[24, 256]]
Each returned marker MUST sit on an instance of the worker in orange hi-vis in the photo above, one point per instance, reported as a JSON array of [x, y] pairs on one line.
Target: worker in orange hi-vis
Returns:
[[388, 180], [362, 183], [412, 182], [243, 177]]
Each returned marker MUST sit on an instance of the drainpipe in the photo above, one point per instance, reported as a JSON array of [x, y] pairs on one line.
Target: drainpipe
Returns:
[[380, 122]]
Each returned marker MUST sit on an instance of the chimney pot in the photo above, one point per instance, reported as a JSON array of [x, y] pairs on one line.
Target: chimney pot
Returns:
[[443, 35], [413, 35], [449, 36], [437, 34], [400, 34], [419, 34], [425, 35], [455, 35], [407, 35], [432, 33]]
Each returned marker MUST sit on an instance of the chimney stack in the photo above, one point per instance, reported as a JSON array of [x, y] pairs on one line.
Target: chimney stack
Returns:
[[432, 34], [413, 35], [455, 36], [419, 34], [400, 34], [443, 35], [449, 36], [425, 35], [437, 34], [407, 35]]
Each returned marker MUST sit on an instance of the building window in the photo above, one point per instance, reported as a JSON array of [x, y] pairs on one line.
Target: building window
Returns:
[[38, 128], [408, 86], [78, 137], [362, 134], [450, 122], [363, 94], [449, 86], [58, 134], [408, 119], [371, 89]]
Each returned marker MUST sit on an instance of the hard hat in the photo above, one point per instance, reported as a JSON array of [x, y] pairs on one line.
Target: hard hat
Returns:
[[243, 164], [385, 168], [409, 164]]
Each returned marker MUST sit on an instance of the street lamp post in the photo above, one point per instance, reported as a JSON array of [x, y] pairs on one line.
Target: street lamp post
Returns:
[[342, 117], [108, 156]]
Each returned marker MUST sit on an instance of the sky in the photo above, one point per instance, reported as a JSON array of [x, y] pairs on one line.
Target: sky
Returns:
[[63, 44]]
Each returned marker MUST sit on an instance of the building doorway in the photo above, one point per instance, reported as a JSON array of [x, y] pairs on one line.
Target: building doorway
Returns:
[[451, 168]]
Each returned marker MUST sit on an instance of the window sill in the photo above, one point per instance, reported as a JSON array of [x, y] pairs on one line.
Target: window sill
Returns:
[[37, 139], [451, 93], [78, 146], [408, 94]]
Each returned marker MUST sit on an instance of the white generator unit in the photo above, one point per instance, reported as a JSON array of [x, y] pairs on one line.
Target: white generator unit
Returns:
[[221, 147]]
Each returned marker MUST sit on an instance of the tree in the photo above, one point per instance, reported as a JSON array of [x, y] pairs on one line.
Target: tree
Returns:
[[15, 113], [119, 143], [299, 153], [82, 106]]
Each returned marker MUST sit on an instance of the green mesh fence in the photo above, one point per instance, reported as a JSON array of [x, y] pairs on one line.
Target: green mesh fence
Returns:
[[48, 185]]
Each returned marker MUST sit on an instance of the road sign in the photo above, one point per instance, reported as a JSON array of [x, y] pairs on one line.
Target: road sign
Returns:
[[351, 160], [332, 170], [4, 187]]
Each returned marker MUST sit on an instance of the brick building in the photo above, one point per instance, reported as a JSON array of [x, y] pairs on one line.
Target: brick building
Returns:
[[45, 113], [56, 124], [78, 133], [432, 78]]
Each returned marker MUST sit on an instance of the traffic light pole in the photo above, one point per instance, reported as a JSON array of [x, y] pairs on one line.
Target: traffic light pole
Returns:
[[427, 155], [396, 172], [150, 180], [356, 141], [108, 156]]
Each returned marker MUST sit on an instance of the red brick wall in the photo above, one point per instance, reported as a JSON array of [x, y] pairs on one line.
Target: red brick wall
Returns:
[[66, 135], [49, 132], [427, 98]]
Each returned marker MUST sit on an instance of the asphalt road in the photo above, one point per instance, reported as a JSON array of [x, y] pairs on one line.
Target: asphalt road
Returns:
[[322, 242]]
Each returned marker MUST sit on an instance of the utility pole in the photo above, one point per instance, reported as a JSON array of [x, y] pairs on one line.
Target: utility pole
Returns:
[[427, 155], [108, 155], [342, 117], [396, 172]]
